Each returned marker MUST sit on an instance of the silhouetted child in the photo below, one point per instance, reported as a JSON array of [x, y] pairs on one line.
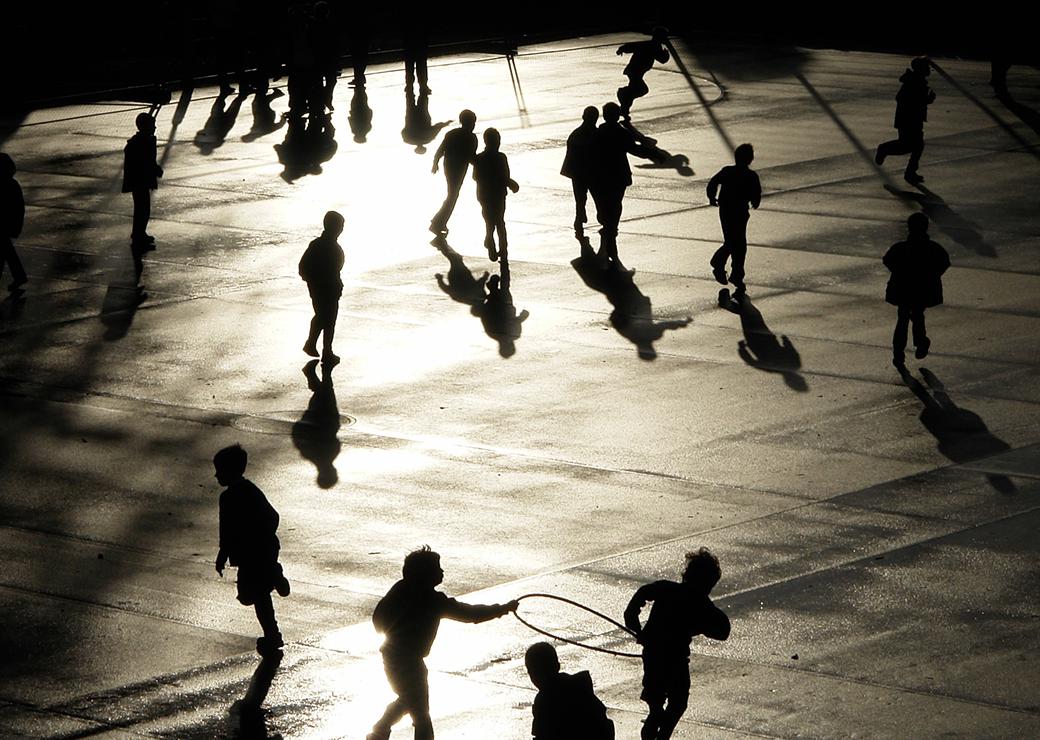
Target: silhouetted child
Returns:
[[566, 707], [248, 524], [740, 188], [681, 611], [579, 165], [141, 173], [644, 54], [320, 268], [491, 173], [917, 265], [912, 103], [12, 218], [458, 148], [409, 615]]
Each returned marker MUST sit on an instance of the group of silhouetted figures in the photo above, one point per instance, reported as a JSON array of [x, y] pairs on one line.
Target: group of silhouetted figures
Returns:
[[596, 162], [409, 615]]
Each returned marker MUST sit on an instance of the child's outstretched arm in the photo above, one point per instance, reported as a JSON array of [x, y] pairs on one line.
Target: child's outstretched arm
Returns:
[[476, 613]]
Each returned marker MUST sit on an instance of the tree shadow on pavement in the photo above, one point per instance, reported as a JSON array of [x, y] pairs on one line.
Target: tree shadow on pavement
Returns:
[[633, 315], [962, 435], [950, 223], [761, 349], [316, 434]]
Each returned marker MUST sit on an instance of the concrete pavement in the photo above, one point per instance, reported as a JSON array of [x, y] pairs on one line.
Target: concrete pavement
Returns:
[[876, 537]]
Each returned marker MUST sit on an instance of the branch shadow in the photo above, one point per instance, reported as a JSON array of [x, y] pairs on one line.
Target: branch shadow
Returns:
[[962, 435]]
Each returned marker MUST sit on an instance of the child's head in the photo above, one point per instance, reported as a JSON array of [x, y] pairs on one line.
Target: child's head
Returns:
[[468, 119], [333, 223], [744, 155], [423, 567], [492, 139], [145, 123], [6, 165], [917, 224], [590, 115], [611, 112], [922, 66], [702, 570], [542, 663], [230, 464]]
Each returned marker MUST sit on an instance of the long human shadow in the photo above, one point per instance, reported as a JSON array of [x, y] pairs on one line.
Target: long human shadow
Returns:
[[761, 349], [951, 223], [265, 121], [247, 714], [123, 297], [660, 159], [633, 316], [962, 435], [306, 147], [459, 283], [360, 115], [219, 124], [419, 128], [316, 434], [489, 297]]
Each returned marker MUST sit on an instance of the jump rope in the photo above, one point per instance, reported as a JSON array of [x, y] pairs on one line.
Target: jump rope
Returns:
[[590, 610]]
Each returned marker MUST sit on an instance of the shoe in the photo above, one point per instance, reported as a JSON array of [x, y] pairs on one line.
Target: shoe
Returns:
[[922, 349], [438, 229], [310, 350], [879, 157], [282, 587], [489, 245], [720, 275], [377, 736], [268, 646], [328, 359], [913, 178]]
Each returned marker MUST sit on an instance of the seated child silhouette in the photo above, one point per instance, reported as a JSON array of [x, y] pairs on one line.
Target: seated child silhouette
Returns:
[[681, 611], [566, 707]]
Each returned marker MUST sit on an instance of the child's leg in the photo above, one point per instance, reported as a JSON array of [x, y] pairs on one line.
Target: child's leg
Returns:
[[672, 714], [652, 723], [265, 616]]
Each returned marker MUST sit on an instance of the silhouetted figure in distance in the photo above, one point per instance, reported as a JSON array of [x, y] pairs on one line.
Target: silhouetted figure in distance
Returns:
[[912, 103], [458, 148], [611, 177], [681, 611], [416, 50], [740, 188], [566, 707], [141, 173], [248, 541], [491, 173], [320, 268], [579, 165], [325, 42], [12, 218], [644, 54], [917, 266], [409, 616]]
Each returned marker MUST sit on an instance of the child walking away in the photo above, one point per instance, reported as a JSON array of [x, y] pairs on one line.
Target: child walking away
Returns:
[[681, 611], [141, 175], [917, 266], [740, 188], [457, 149], [248, 541], [566, 707], [320, 268], [409, 615], [491, 173]]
